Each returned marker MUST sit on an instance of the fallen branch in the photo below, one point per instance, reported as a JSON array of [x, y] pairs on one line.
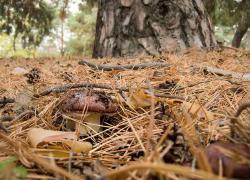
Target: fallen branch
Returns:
[[245, 76], [23, 114], [3, 127], [5, 101], [222, 47], [5, 118], [65, 88], [211, 80], [120, 67]]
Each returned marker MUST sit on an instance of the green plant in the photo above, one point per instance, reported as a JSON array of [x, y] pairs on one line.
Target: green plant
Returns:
[[82, 25], [19, 171]]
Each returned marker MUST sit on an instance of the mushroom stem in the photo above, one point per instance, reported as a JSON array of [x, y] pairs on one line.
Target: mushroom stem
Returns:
[[93, 123]]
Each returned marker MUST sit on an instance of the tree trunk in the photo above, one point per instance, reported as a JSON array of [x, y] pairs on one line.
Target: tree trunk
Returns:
[[133, 27], [241, 31]]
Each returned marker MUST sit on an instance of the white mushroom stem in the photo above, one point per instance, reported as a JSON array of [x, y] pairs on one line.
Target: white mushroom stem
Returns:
[[90, 123], [93, 123]]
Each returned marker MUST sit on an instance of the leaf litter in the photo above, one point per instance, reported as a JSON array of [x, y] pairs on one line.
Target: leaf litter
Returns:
[[143, 140]]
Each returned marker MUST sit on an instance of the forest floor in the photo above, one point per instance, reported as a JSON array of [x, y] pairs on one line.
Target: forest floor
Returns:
[[159, 137]]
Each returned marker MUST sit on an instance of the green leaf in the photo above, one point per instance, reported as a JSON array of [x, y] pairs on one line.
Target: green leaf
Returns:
[[6, 163], [21, 172]]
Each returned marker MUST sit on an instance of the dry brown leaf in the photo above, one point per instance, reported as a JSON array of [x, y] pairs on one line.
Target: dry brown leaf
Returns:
[[138, 99], [193, 108], [38, 137]]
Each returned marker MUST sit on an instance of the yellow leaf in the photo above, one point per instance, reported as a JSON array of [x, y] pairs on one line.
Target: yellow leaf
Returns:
[[193, 108], [138, 99], [197, 110]]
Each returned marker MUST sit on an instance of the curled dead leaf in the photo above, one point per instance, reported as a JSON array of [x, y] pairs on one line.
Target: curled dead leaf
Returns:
[[194, 108], [138, 99], [39, 137]]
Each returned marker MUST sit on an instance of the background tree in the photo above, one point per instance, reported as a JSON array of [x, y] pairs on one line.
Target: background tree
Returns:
[[63, 16], [7, 50], [233, 14], [132, 27], [31, 19], [82, 25]]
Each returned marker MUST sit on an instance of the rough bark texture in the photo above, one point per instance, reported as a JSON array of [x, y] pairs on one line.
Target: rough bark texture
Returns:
[[133, 27], [241, 31]]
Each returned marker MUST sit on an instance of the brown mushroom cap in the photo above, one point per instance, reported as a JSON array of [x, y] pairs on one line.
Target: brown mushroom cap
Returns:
[[214, 154], [99, 101]]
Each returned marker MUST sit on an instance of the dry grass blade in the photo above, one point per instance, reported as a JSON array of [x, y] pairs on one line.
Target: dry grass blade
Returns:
[[161, 168]]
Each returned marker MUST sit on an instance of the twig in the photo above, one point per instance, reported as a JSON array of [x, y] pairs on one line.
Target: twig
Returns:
[[221, 47], [234, 120], [5, 118], [65, 88], [5, 101], [20, 117], [3, 127], [245, 76], [211, 80], [151, 120], [120, 67]]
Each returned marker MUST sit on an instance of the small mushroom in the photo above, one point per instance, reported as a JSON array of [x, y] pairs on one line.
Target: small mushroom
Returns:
[[95, 102], [239, 169]]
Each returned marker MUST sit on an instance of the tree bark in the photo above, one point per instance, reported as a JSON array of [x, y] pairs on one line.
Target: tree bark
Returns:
[[241, 31], [134, 27]]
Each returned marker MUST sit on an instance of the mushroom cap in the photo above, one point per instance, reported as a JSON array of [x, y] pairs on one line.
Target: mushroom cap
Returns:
[[213, 154], [99, 101]]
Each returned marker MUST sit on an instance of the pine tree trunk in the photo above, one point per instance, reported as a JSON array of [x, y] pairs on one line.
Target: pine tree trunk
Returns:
[[241, 31], [133, 27]]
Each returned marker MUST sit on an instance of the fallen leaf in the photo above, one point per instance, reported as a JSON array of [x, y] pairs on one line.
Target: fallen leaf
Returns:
[[23, 101], [39, 137], [138, 99], [194, 108]]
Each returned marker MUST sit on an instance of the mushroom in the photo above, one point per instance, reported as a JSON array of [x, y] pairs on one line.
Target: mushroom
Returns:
[[239, 169], [95, 102]]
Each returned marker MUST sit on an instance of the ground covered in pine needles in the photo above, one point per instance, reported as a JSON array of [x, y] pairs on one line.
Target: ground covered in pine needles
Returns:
[[162, 140]]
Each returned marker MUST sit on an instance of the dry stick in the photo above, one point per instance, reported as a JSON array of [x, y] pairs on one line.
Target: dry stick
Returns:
[[6, 118], [235, 120], [245, 76], [64, 88], [222, 47], [5, 100], [20, 117], [211, 80], [105, 67], [151, 120], [3, 127]]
